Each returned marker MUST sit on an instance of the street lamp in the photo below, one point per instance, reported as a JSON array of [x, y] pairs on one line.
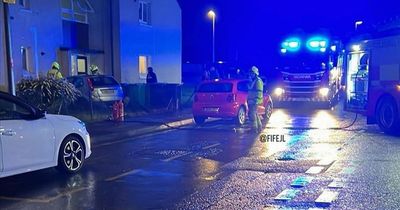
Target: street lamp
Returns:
[[211, 14], [358, 23]]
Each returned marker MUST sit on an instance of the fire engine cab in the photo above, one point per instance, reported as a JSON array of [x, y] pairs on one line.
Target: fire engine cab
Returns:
[[309, 70], [373, 80]]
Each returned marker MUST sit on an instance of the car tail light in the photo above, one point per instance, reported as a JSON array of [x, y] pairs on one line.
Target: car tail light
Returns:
[[90, 84], [196, 98], [231, 98]]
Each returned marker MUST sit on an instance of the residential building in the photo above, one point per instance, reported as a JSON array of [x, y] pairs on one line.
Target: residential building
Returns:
[[122, 37]]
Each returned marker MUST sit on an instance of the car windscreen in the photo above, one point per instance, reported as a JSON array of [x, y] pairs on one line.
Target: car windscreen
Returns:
[[103, 81], [215, 88], [243, 86]]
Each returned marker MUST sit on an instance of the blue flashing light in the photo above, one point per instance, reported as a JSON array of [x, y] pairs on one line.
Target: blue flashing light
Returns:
[[292, 45], [317, 43]]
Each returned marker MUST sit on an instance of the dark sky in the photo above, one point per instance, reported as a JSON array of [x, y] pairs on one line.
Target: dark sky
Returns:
[[250, 32]]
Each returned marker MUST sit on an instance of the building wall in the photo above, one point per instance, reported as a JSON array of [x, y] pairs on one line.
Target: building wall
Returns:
[[39, 29], [161, 41], [116, 39], [3, 70]]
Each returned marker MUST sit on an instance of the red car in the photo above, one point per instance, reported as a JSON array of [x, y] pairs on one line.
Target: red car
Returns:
[[226, 99]]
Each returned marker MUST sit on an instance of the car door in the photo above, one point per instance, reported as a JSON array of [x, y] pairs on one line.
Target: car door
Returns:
[[26, 143]]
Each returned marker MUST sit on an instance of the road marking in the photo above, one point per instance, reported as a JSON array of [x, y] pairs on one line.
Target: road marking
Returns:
[[122, 175], [327, 197], [177, 156], [32, 200], [211, 146], [326, 162], [301, 181], [315, 170], [287, 195], [336, 183], [44, 200]]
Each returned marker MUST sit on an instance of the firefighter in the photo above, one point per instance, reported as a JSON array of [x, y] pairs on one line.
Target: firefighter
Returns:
[[94, 69], [255, 98], [54, 72]]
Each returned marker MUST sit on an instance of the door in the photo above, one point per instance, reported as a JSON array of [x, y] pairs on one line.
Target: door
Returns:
[[26, 144]]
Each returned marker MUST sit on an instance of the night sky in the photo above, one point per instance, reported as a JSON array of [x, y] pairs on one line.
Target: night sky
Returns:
[[250, 32]]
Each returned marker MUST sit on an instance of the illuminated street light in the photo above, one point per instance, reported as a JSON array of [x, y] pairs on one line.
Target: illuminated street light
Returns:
[[358, 23], [211, 14]]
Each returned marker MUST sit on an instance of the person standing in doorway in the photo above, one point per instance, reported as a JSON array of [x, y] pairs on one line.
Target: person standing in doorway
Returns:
[[151, 77]]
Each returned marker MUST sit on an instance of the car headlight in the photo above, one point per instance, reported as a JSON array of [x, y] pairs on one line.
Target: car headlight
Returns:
[[279, 91], [324, 91]]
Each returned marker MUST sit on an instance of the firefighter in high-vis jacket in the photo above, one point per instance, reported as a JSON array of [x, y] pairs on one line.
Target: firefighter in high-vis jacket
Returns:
[[54, 72], [255, 98]]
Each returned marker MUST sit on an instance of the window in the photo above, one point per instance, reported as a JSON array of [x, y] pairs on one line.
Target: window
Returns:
[[243, 86], [26, 4], [216, 88], [11, 111], [76, 10], [26, 58], [144, 62], [103, 81], [145, 13]]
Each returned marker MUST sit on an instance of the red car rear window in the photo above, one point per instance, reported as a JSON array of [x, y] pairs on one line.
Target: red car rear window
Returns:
[[215, 88]]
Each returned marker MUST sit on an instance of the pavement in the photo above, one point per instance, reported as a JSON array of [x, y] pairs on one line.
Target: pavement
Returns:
[[133, 126]]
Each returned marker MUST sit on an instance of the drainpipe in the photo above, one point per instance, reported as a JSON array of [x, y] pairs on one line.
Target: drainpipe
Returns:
[[9, 64], [112, 37]]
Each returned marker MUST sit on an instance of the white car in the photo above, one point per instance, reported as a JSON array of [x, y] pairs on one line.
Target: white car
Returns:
[[31, 140]]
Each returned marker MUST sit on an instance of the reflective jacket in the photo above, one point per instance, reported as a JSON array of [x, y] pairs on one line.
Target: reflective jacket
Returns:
[[255, 95], [54, 73]]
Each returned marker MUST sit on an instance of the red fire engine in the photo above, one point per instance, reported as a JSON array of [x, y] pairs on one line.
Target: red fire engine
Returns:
[[373, 80], [309, 70]]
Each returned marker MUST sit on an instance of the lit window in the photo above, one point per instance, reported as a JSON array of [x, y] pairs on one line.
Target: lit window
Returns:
[[76, 10], [144, 62], [145, 13]]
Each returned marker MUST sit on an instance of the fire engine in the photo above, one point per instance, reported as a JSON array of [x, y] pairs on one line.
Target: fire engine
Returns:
[[373, 80], [308, 70]]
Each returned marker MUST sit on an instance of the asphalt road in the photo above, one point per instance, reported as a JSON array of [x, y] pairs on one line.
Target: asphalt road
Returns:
[[221, 166]]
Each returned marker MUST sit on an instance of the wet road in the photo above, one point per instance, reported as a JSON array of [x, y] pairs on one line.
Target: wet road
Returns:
[[220, 166]]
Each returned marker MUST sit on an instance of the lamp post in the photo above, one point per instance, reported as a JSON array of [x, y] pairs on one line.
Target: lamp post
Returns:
[[357, 23], [211, 14]]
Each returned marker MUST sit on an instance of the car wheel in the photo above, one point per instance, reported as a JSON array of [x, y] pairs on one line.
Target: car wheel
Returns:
[[241, 116], [199, 120], [268, 113], [71, 155], [387, 115]]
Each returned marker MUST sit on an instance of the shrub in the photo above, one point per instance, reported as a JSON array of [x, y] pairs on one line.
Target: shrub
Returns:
[[47, 93]]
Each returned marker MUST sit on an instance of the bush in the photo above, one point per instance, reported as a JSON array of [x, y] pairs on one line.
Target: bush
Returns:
[[47, 93]]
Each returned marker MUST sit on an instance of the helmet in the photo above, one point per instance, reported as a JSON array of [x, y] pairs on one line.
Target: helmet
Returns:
[[255, 70], [55, 65], [93, 68]]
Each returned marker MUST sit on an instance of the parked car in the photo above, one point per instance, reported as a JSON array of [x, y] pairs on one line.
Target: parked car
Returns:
[[31, 139], [99, 88], [226, 99]]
